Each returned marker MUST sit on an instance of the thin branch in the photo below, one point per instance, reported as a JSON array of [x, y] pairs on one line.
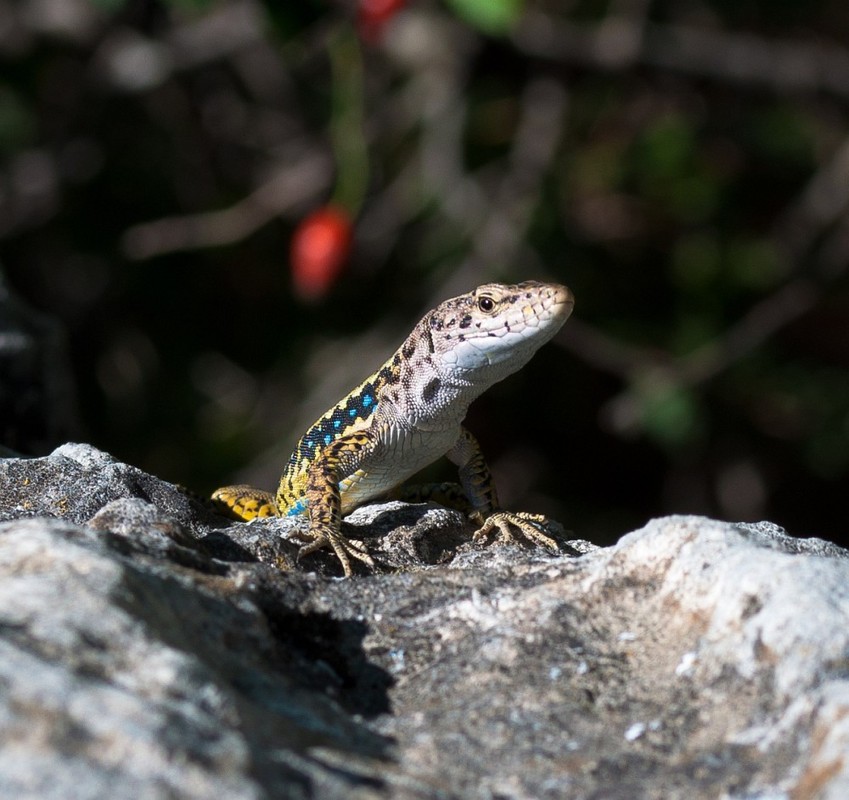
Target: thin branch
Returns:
[[626, 360], [133, 63], [506, 212], [821, 203], [535, 143], [620, 43], [606, 353], [289, 187], [761, 322]]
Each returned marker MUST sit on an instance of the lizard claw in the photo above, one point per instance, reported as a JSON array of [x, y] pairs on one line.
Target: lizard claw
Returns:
[[343, 547], [503, 523]]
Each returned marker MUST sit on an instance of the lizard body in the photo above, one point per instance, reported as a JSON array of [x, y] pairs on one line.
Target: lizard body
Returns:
[[409, 413]]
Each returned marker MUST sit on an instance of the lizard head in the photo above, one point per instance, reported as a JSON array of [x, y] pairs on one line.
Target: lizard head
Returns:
[[495, 329]]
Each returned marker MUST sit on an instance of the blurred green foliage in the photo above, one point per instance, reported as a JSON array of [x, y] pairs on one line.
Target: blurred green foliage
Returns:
[[489, 16], [682, 167]]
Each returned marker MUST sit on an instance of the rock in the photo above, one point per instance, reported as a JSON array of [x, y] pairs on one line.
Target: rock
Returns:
[[152, 649]]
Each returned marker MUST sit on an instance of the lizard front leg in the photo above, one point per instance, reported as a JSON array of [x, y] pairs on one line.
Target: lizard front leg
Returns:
[[479, 487], [340, 459]]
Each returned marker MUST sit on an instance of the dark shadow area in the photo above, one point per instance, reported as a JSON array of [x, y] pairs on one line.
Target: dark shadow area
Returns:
[[332, 658]]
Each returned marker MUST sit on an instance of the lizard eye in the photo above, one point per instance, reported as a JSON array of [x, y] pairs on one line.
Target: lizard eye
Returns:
[[486, 304]]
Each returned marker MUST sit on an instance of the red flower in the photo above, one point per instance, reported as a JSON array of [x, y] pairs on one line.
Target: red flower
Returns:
[[320, 247], [373, 16]]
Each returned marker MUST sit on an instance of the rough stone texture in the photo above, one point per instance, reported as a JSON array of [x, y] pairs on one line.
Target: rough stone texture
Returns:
[[149, 649]]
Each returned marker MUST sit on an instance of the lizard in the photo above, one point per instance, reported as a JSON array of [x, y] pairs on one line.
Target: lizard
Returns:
[[407, 414]]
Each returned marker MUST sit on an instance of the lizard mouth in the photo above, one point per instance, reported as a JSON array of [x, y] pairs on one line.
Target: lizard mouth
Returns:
[[546, 312]]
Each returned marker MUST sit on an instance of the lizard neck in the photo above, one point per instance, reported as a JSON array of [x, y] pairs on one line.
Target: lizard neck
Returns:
[[426, 392]]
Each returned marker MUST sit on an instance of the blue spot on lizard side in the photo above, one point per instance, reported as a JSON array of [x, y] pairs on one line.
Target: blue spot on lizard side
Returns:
[[298, 508]]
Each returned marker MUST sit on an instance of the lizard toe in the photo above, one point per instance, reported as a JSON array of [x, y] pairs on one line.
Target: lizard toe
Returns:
[[505, 523], [342, 546]]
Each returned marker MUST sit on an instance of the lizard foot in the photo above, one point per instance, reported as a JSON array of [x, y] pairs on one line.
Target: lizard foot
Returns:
[[344, 548], [503, 522]]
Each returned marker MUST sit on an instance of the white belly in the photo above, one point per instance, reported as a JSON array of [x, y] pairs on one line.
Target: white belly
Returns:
[[399, 457]]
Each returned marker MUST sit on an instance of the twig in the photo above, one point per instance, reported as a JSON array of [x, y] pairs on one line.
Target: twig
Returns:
[[133, 63], [628, 361], [535, 145], [620, 43], [506, 213], [821, 203], [761, 322], [288, 187], [605, 353]]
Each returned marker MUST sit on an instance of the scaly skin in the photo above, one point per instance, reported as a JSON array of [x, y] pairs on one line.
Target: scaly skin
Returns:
[[409, 413]]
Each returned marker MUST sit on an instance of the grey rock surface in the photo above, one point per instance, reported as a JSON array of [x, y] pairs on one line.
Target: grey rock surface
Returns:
[[151, 649]]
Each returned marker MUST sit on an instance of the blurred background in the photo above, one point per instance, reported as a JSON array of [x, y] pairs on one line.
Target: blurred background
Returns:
[[235, 209]]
